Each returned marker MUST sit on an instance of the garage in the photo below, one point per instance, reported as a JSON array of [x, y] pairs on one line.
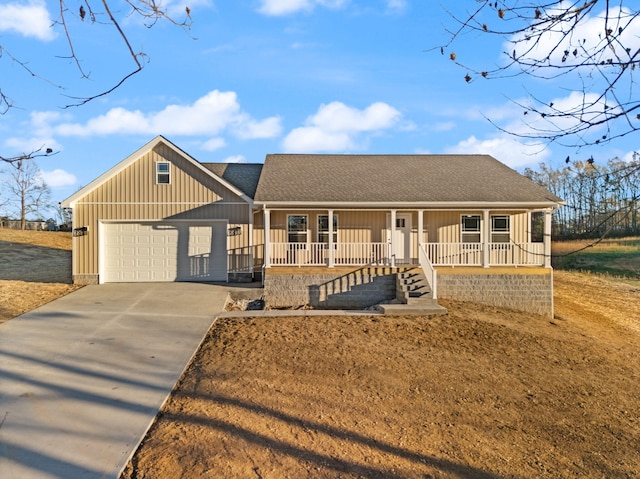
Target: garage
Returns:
[[164, 251]]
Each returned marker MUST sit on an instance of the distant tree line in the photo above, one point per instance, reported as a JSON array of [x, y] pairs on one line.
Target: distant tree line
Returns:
[[601, 200]]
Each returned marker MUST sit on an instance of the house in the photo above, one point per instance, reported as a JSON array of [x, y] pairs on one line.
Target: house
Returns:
[[340, 229]]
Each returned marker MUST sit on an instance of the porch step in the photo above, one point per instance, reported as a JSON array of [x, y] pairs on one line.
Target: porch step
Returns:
[[422, 309], [413, 289], [412, 285]]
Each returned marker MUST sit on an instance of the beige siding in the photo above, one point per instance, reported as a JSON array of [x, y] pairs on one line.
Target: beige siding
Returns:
[[133, 194]]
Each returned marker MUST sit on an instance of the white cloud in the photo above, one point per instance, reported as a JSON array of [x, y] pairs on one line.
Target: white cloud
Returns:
[[286, 7], [31, 145], [337, 127], [397, 6], [507, 149], [444, 126], [235, 159], [29, 19], [58, 178], [209, 115], [214, 144], [558, 40]]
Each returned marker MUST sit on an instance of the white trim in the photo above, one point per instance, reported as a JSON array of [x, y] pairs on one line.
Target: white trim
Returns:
[[307, 232], [475, 205], [158, 173], [197, 203], [132, 158]]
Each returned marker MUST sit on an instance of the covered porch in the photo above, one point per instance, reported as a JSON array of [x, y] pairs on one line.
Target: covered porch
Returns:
[[404, 237]]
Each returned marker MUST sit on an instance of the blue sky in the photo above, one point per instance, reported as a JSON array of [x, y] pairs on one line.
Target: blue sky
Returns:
[[253, 77]]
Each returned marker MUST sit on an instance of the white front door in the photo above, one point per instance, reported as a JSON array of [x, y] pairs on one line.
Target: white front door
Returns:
[[402, 240]]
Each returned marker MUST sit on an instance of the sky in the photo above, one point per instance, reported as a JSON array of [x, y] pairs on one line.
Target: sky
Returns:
[[252, 77]]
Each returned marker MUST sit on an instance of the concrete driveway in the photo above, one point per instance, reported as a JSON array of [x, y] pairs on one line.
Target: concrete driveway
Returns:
[[82, 378]]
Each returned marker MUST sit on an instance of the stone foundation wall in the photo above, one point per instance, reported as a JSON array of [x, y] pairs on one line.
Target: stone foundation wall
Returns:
[[85, 279], [532, 293], [325, 288]]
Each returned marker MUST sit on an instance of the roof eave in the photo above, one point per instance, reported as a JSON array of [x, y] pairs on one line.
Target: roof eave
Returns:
[[408, 205]]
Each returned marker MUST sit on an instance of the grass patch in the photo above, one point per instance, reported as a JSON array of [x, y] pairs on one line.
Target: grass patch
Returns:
[[618, 258]]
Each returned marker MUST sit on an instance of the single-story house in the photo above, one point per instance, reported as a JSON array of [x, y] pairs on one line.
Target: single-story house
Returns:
[[325, 230]]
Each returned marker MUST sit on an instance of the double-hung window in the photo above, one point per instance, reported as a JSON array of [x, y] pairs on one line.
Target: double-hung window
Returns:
[[163, 172], [323, 229], [500, 229], [470, 229], [297, 230]]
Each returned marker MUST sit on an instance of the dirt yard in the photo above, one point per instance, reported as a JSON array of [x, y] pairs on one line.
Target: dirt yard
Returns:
[[35, 268], [482, 392]]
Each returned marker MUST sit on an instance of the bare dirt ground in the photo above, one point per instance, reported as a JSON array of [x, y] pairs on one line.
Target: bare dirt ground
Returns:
[[482, 392], [35, 268]]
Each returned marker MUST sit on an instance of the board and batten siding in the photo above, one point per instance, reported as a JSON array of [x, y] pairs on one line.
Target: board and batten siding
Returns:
[[133, 195]]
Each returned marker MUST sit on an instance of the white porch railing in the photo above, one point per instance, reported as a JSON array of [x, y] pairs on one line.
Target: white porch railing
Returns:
[[438, 254], [317, 254], [500, 254], [429, 272]]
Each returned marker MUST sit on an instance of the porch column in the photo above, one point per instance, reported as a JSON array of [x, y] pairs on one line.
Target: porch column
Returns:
[[486, 238], [267, 241], [250, 255], [547, 238], [420, 229], [331, 252], [393, 238]]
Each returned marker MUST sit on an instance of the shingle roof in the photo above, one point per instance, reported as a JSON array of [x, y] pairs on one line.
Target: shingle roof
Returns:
[[394, 178], [243, 176]]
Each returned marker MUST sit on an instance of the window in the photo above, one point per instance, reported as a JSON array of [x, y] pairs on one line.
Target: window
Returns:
[[323, 229], [500, 229], [163, 172], [400, 222], [297, 228], [471, 228]]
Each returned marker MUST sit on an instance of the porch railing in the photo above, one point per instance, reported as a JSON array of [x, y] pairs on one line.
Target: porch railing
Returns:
[[317, 254], [471, 254], [439, 254], [430, 273]]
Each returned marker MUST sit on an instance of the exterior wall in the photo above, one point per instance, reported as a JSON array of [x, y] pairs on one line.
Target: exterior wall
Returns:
[[445, 226], [523, 289], [133, 195], [329, 288]]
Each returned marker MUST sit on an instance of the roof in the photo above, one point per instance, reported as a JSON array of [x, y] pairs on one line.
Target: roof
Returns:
[[243, 176], [416, 179]]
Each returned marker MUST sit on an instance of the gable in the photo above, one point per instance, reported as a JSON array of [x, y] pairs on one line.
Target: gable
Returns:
[[134, 181]]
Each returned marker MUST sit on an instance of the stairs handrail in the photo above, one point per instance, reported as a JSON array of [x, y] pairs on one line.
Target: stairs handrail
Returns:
[[428, 270]]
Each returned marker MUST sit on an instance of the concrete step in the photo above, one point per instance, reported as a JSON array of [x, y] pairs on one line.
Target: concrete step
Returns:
[[410, 309]]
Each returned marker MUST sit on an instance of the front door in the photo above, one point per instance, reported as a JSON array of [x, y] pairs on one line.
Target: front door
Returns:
[[402, 240]]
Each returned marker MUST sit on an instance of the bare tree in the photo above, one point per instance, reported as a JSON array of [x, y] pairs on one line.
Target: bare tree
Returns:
[[100, 14], [27, 191], [591, 45]]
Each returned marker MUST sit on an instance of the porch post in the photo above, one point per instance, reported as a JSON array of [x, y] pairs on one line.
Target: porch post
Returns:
[[486, 235], [420, 229], [267, 234], [392, 239], [251, 260], [331, 253], [547, 238]]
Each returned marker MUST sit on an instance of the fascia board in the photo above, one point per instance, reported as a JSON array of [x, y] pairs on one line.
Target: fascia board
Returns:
[[477, 205]]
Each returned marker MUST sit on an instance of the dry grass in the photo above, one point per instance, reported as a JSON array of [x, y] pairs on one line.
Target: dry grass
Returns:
[[36, 269]]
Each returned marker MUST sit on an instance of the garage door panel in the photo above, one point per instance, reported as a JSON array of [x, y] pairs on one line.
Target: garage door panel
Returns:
[[156, 252]]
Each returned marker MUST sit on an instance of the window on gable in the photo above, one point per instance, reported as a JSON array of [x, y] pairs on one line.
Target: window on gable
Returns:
[[470, 229], [163, 172], [297, 230], [500, 229], [323, 229]]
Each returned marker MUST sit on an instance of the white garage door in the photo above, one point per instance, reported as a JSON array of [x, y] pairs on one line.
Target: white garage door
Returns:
[[166, 251]]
